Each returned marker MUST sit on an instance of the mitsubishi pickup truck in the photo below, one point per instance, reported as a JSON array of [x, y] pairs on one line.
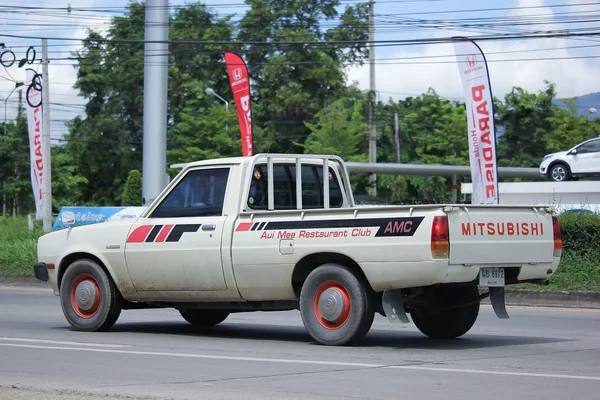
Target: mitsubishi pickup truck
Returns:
[[277, 232]]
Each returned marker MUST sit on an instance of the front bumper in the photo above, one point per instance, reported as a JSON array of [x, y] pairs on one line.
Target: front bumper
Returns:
[[41, 271]]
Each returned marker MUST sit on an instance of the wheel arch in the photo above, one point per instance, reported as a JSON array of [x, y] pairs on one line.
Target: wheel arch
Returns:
[[310, 262], [80, 255], [554, 163]]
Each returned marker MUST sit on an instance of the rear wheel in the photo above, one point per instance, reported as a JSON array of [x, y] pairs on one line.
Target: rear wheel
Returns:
[[89, 298], [199, 317], [439, 323], [336, 306]]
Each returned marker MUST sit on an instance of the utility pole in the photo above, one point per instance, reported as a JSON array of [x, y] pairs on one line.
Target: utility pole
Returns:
[[156, 60], [47, 182], [372, 99], [20, 105], [397, 136]]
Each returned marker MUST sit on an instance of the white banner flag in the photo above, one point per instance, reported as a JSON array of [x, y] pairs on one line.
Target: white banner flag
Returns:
[[34, 123], [480, 114]]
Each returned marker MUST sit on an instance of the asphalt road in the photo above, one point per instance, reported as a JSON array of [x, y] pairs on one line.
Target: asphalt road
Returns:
[[537, 354]]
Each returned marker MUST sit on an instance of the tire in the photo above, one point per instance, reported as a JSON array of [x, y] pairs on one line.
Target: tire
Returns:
[[93, 313], [203, 317], [559, 172], [447, 323], [349, 322]]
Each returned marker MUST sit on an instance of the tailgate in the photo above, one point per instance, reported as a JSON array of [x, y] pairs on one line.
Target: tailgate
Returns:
[[500, 235]]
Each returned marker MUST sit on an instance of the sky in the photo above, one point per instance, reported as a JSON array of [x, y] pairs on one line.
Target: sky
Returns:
[[573, 64]]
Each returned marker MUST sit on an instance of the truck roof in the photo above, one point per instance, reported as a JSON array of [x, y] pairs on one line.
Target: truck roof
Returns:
[[306, 158]]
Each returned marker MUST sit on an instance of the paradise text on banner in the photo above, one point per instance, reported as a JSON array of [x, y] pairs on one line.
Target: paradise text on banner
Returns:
[[34, 124], [240, 86], [480, 114]]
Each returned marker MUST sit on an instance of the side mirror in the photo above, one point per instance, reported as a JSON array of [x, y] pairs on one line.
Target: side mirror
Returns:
[[67, 218], [573, 152]]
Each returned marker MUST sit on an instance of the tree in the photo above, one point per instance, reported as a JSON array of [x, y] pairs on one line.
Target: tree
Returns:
[[108, 141], [293, 79], [132, 194], [201, 134], [568, 128], [340, 130], [527, 121]]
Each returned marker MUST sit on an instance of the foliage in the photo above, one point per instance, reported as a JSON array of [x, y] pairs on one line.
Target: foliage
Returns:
[[341, 129], [293, 79], [569, 128], [527, 121], [18, 246], [15, 167], [579, 268], [132, 195], [107, 143], [580, 233]]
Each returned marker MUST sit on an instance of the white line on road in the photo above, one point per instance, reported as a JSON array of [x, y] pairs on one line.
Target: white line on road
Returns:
[[10, 339], [309, 362]]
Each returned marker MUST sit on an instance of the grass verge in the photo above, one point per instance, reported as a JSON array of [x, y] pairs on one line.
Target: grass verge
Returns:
[[575, 272], [18, 246], [578, 270]]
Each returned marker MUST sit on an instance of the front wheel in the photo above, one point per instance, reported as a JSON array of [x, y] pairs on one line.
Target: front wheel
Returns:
[[439, 323], [336, 306], [88, 297], [559, 173]]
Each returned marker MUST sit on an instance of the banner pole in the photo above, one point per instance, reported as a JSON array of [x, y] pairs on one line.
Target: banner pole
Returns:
[[47, 180]]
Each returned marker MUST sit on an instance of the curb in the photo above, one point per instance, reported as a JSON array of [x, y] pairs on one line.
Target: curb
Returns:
[[513, 297], [21, 281], [551, 298]]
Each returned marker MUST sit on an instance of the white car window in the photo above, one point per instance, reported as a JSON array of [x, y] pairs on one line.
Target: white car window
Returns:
[[590, 147]]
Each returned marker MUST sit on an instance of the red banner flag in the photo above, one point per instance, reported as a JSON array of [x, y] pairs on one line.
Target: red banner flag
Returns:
[[240, 86]]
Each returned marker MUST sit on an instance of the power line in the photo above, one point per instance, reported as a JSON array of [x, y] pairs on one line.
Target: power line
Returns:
[[482, 38]]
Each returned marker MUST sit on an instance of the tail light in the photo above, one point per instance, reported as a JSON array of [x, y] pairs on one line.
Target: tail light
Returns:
[[440, 238], [557, 238]]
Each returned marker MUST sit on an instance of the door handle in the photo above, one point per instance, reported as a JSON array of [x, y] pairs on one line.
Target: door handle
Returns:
[[209, 227]]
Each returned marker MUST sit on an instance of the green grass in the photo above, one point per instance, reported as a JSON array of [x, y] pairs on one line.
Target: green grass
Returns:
[[578, 270], [18, 246], [575, 272]]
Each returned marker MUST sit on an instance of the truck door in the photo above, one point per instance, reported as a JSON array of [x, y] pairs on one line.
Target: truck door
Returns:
[[178, 246]]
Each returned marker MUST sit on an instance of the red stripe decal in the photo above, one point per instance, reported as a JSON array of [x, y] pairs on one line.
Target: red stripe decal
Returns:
[[139, 234], [244, 227], [163, 233]]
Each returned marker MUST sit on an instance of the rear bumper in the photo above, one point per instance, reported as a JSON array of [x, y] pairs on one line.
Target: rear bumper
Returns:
[[41, 272], [396, 275]]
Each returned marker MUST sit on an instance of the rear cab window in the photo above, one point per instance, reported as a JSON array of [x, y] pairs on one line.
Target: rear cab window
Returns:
[[284, 187]]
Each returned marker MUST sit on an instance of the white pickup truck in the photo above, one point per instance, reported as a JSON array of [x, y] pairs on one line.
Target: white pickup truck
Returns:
[[267, 233]]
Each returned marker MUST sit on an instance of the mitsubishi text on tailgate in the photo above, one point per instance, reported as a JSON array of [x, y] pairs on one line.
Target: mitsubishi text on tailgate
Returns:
[[281, 232]]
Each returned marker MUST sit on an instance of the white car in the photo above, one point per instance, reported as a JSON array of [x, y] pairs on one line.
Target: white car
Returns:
[[580, 161]]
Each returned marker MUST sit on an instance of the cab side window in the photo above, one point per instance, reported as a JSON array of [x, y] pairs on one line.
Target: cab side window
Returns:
[[284, 186], [200, 193], [589, 147]]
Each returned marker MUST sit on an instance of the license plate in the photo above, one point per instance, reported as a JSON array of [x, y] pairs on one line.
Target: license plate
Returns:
[[491, 277]]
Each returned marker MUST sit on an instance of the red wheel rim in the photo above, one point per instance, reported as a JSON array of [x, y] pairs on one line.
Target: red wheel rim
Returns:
[[333, 300], [90, 296]]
